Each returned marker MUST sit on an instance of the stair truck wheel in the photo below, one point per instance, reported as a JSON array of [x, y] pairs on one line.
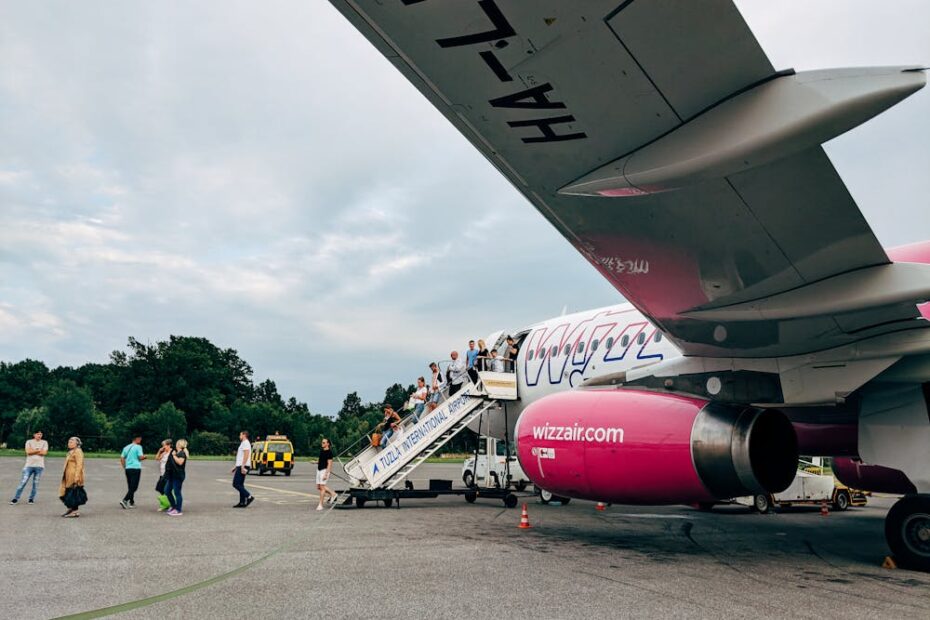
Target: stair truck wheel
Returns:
[[705, 506], [388, 502], [521, 486], [841, 500], [907, 531], [468, 478], [287, 472], [360, 502], [762, 504], [510, 500], [470, 497]]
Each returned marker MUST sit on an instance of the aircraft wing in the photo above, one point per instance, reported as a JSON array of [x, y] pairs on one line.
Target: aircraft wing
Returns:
[[657, 137]]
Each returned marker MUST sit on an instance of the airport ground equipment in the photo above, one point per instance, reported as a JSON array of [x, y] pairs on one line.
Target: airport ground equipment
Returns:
[[495, 461], [381, 473], [811, 487], [273, 454]]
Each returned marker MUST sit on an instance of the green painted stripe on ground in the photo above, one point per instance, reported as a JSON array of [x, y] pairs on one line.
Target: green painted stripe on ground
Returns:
[[167, 596]]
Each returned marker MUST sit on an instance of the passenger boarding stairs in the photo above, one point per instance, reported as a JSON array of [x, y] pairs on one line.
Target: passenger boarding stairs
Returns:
[[416, 441]]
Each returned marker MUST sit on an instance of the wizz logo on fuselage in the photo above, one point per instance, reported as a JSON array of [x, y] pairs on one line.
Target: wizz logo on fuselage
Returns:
[[566, 351]]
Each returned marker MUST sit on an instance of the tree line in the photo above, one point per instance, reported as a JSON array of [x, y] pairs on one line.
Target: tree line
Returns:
[[182, 387]]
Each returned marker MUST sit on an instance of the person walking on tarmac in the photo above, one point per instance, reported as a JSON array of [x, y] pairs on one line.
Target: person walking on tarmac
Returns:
[[131, 459], [240, 469], [324, 467], [175, 474]]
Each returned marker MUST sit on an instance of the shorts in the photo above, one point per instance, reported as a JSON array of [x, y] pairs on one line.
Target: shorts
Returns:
[[321, 477]]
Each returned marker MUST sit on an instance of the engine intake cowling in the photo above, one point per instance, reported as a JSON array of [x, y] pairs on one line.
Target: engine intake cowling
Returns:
[[636, 447]]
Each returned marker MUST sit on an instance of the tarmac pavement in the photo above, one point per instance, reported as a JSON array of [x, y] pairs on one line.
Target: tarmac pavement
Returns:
[[439, 558]]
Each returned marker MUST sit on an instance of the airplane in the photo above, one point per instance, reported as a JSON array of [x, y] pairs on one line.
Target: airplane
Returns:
[[765, 319]]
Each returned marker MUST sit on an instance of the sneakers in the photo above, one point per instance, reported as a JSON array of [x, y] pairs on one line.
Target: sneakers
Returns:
[[131, 505], [174, 513], [124, 504], [31, 502], [333, 499], [319, 506], [240, 505], [13, 502], [250, 500]]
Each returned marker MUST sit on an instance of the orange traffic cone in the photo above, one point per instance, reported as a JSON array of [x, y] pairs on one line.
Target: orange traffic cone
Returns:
[[525, 519], [824, 512], [601, 506]]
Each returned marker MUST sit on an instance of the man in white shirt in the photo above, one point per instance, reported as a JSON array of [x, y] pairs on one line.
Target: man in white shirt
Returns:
[[243, 454], [36, 449], [457, 372]]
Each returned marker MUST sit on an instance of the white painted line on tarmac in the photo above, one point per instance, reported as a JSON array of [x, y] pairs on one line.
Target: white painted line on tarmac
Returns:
[[264, 488]]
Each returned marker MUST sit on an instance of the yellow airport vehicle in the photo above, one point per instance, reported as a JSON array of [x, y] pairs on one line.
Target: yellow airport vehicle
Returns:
[[273, 454]]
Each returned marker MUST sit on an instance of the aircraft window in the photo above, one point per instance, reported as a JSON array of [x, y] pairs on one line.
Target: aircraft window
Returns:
[[624, 341], [658, 336], [610, 343], [530, 355], [555, 350], [581, 347], [594, 344], [567, 348], [641, 338]]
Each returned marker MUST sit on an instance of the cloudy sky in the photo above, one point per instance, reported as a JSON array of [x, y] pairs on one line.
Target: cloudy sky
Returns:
[[257, 174]]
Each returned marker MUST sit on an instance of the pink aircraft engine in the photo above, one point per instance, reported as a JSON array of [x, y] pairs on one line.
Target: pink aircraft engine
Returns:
[[635, 447]]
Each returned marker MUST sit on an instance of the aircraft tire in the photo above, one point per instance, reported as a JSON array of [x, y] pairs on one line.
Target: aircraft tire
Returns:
[[907, 531]]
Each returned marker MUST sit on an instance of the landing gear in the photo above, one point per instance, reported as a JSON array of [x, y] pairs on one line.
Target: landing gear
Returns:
[[546, 497], [907, 530]]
